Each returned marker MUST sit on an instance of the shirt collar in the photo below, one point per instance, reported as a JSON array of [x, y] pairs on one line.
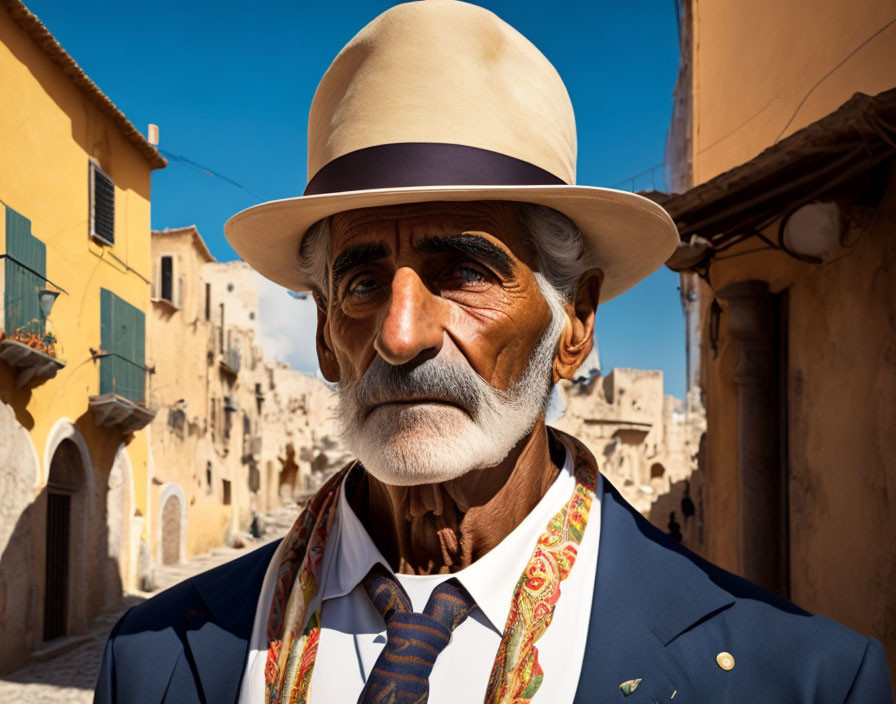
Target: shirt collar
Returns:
[[491, 580]]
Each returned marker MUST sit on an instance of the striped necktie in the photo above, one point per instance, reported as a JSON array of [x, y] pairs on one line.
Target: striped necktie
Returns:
[[413, 640]]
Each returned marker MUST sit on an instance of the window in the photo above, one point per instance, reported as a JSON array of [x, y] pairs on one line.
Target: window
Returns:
[[123, 341], [226, 486], [25, 268], [102, 206], [208, 302], [166, 278], [259, 398], [208, 477], [221, 330], [229, 410], [166, 284]]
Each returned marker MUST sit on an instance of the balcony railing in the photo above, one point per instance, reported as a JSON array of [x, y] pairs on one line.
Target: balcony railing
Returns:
[[122, 376], [29, 362], [113, 411], [25, 343], [230, 360]]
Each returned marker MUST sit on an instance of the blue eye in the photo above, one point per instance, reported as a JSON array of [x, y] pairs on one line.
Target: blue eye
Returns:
[[363, 287], [470, 275]]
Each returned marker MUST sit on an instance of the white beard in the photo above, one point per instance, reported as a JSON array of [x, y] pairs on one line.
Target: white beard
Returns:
[[426, 443]]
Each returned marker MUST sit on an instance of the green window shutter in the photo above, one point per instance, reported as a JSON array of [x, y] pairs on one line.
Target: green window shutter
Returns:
[[20, 298], [123, 335], [107, 364]]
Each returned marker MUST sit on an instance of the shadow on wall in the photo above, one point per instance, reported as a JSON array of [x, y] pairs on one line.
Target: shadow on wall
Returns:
[[679, 511], [57, 569]]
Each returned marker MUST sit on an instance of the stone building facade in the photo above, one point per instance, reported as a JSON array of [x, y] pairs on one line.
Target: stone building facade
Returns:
[[237, 432], [74, 289], [646, 444]]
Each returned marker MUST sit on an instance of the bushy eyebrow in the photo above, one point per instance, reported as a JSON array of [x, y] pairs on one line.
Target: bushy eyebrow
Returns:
[[358, 255], [469, 244]]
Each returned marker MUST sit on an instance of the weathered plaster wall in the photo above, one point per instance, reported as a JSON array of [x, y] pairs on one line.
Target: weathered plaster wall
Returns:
[[233, 285], [217, 424], [754, 62], [18, 592], [183, 381], [842, 402], [757, 72], [841, 414]]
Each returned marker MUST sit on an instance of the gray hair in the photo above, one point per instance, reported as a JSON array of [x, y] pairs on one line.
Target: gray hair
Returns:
[[557, 243]]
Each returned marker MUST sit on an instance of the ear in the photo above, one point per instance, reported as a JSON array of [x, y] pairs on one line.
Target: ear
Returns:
[[326, 358], [577, 337]]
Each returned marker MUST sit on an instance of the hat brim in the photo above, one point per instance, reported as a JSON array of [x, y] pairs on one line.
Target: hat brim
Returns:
[[626, 235]]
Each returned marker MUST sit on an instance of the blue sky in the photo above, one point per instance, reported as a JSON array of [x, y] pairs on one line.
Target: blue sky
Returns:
[[229, 84]]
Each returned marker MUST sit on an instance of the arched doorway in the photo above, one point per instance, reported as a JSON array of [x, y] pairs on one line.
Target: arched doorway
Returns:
[[171, 531], [65, 481], [171, 525]]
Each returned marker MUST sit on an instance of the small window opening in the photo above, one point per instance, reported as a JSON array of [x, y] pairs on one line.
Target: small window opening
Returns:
[[167, 278], [102, 206]]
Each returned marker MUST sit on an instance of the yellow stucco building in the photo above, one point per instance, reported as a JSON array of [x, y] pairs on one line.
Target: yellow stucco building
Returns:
[[783, 148], [75, 278]]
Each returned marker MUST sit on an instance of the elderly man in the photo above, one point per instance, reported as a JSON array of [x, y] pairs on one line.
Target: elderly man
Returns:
[[471, 553]]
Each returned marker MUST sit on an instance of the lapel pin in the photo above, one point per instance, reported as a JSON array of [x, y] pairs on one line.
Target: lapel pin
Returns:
[[725, 660], [629, 686]]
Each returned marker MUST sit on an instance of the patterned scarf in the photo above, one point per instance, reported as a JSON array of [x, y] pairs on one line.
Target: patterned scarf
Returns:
[[516, 674]]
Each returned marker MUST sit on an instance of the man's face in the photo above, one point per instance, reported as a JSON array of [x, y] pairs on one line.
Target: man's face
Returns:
[[433, 313]]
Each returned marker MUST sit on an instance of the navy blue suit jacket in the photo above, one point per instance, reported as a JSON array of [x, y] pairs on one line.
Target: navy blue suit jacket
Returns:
[[659, 613]]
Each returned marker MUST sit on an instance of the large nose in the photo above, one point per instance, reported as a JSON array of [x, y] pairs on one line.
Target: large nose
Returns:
[[412, 324]]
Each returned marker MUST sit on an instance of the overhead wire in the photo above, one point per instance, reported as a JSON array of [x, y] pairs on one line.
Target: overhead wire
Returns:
[[827, 75], [631, 179], [210, 172]]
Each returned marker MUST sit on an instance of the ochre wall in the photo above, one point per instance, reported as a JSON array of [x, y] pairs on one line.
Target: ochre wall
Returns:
[[754, 62], [841, 417], [752, 66], [184, 373], [49, 132]]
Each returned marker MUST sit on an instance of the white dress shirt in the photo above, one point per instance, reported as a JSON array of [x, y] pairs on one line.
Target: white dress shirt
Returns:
[[353, 632]]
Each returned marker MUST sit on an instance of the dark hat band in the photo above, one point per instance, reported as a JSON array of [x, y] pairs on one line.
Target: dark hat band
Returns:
[[409, 164]]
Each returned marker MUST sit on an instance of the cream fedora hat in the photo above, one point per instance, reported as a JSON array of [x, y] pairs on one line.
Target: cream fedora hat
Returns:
[[440, 100]]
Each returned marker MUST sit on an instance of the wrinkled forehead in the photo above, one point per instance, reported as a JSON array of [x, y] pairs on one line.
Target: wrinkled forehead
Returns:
[[498, 221]]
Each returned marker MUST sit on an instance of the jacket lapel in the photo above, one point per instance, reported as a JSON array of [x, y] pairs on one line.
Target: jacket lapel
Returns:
[[219, 639], [648, 591]]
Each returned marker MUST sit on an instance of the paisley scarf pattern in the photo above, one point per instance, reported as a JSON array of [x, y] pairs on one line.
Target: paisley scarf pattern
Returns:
[[516, 674]]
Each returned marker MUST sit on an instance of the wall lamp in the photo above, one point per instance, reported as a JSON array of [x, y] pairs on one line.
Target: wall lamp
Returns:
[[812, 232]]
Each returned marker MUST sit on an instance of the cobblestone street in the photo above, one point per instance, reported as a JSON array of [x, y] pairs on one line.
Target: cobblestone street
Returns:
[[68, 672]]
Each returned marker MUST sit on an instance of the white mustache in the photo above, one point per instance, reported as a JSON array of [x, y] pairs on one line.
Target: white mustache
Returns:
[[433, 379]]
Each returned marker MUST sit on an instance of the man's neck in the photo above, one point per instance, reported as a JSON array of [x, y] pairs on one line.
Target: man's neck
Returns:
[[442, 528]]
